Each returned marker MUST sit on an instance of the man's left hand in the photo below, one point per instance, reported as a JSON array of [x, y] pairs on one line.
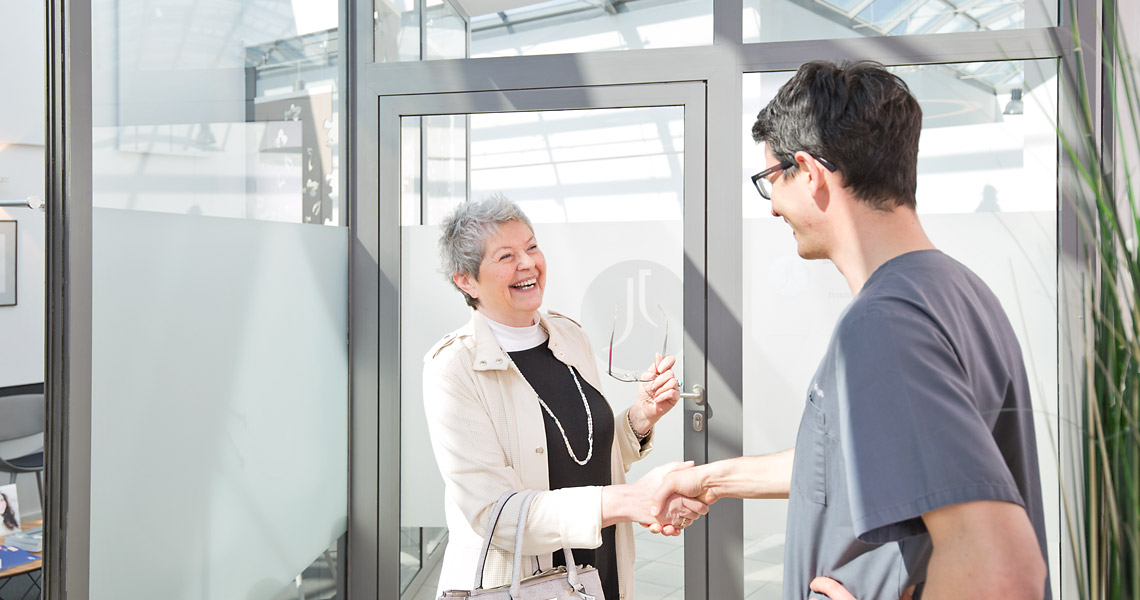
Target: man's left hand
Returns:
[[835, 590]]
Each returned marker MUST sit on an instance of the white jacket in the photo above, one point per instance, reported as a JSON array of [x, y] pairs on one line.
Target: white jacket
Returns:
[[488, 436]]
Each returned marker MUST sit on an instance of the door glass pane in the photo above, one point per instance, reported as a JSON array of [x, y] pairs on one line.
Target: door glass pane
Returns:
[[22, 247], [445, 32], [604, 189], [987, 196], [220, 295], [565, 26], [785, 20], [395, 30]]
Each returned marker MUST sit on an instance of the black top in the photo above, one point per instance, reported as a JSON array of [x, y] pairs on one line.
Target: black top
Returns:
[[551, 379]]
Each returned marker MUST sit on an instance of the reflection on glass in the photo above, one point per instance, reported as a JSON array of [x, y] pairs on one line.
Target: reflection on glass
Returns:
[[411, 171], [187, 124], [565, 26], [445, 160], [604, 188], [395, 30], [418, 553], [987, 196], [445, 32], [317, 582], [784, 20]]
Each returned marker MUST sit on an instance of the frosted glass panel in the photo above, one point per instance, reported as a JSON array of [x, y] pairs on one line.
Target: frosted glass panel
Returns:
[[217, 108], [219, 409]]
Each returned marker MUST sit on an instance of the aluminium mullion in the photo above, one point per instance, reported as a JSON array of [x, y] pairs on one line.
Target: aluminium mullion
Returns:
[[387, 266], [726, 312], [68, 386], [365, 558], [1073, 276], [546, 71]]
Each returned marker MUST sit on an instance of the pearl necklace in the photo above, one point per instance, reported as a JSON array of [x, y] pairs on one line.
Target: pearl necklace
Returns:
[[589, 423]]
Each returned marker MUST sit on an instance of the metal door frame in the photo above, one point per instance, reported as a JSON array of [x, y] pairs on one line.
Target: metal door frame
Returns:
[[688, 95]]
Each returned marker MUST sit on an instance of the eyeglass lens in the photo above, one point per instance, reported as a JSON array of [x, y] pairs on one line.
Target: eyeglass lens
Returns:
[[626, 376]]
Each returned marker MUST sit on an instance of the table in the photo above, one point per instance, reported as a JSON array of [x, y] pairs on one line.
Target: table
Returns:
[[27, 568]]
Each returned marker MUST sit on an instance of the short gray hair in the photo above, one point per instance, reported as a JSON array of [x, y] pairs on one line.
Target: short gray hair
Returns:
[[465, 232]]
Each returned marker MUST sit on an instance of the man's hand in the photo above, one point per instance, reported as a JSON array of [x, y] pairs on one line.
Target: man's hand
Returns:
[[690, 483], [744, 477], [835, 590], [631, 502]]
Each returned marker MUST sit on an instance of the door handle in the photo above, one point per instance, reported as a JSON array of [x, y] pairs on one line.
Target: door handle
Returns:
[[697, 395]]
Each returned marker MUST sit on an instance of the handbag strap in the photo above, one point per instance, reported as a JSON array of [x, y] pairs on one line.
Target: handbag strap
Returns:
[[494, 520], [516, 572]]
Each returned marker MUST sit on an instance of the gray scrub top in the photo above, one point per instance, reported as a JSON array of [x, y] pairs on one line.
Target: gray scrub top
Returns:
[[922, 401]]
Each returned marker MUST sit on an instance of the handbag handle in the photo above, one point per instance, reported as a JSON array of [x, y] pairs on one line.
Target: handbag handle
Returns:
[[491, 523], [516, 570]]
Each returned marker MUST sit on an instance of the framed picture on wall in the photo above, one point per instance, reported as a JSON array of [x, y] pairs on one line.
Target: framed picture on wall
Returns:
[[7, 263], [9, 510]]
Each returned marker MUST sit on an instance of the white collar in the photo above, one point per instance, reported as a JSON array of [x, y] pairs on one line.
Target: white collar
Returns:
[[513, 339]]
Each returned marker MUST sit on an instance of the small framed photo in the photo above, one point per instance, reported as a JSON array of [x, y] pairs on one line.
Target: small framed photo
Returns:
[[7, 263], [9, 510]]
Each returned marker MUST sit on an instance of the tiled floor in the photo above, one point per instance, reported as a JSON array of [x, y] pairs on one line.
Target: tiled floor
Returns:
[[764, 568], [660, 569], [427, 592], [660, 572]]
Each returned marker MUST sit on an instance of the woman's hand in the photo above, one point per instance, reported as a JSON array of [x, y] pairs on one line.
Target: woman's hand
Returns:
[[632, 502], [656, 397]]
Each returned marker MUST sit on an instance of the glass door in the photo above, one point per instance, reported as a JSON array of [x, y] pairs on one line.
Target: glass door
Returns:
[[613, 180]]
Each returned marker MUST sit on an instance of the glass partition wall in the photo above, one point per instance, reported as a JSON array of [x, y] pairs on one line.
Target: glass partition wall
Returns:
[[986, 76], [219, 360]]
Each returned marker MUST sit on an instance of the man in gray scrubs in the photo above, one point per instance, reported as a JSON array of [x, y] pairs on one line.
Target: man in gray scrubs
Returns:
[[915, 466]]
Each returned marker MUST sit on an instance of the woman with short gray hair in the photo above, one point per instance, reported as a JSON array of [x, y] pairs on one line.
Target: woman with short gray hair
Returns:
[[513, 402]]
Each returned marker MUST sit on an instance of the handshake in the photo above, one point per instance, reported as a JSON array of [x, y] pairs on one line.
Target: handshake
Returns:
[[671, 497]]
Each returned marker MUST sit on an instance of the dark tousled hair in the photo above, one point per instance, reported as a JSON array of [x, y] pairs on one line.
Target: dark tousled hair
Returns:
[[857, 115]]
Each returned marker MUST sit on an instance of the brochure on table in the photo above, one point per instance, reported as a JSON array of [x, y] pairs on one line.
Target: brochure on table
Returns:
[[11, 556]]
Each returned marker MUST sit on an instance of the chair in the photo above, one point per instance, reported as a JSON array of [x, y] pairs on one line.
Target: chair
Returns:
[[22, 416]]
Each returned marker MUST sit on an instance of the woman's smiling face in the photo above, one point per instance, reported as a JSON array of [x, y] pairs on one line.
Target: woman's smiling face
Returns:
[[512, 276]]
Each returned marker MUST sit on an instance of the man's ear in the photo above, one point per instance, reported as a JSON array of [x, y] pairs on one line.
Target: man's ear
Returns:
[[808, 164], [817, 184], [466, 283]]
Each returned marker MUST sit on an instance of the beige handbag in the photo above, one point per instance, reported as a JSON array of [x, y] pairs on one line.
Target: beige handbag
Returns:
[[571, 582]]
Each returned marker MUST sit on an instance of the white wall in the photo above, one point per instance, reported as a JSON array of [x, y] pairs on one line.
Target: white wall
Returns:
[[22, 325]]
